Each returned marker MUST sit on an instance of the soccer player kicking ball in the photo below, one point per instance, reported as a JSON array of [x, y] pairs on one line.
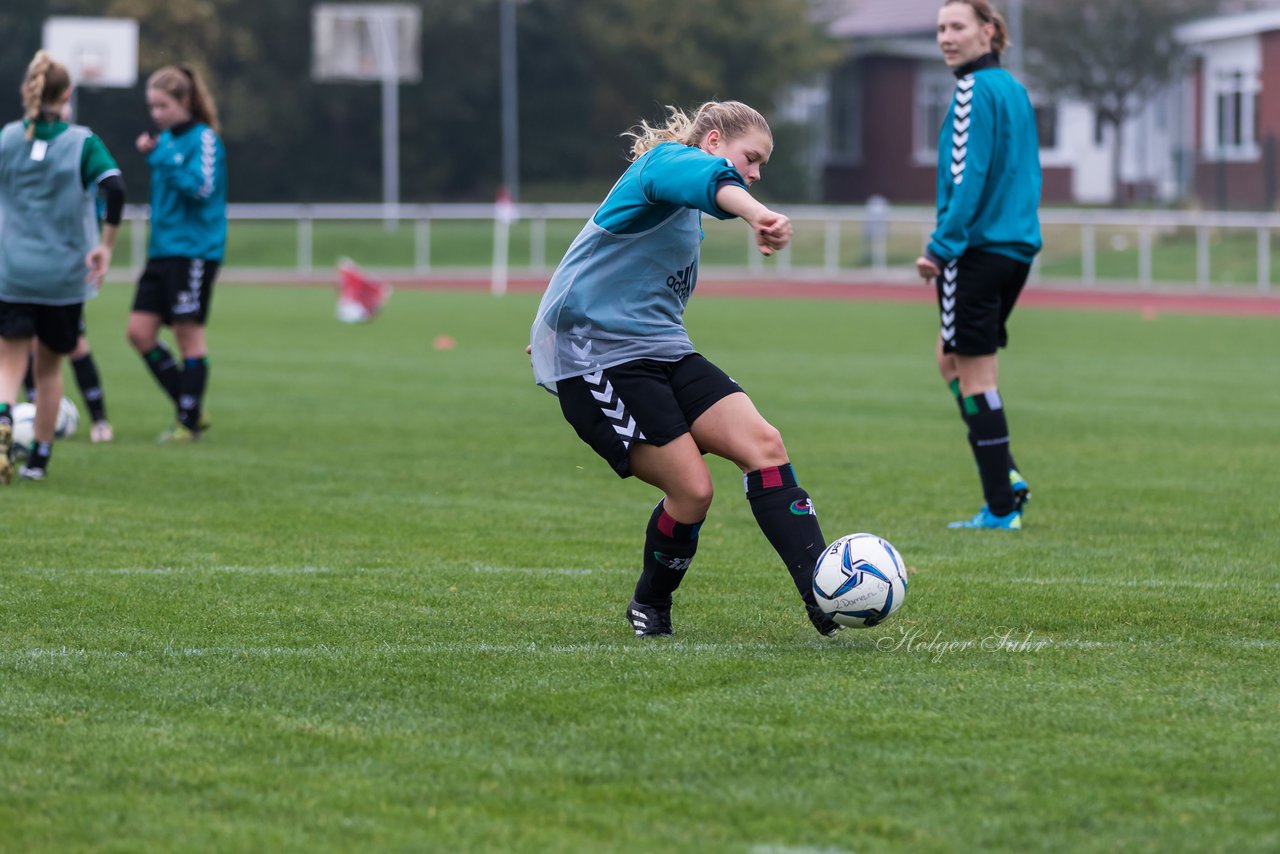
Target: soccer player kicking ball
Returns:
[[987, 235], [609, 340]]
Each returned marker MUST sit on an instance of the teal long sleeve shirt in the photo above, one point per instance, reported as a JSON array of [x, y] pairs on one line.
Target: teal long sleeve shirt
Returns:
[[988, 170]]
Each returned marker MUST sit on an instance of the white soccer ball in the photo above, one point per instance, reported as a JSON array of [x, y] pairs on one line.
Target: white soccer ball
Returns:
[[24, 425], [860, 580], [68, 419]]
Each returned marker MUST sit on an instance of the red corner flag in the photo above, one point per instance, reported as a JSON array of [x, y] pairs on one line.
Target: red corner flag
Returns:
[[359, 296]]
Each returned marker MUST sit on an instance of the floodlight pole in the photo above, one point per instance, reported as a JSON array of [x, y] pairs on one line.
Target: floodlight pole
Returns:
[[390, 119], [1014, 10], [510, 94]]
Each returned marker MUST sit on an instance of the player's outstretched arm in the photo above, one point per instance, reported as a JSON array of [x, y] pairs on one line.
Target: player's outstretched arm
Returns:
[[772, 229]]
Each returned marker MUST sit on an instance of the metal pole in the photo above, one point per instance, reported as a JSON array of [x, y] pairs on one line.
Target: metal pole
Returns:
[[510, 129], [1014, 52], [390, 119]]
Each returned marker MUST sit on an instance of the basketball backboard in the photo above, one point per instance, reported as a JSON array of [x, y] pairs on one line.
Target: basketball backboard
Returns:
[[99, 52], [366, 41]]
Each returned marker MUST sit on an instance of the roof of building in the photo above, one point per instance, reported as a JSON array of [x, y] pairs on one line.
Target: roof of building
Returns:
[[878, 18], [1230, 26]]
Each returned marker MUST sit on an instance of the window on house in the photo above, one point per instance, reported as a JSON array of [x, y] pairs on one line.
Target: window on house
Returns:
[[1047, 125], [846, 115], [933, 95], [1235, 103]]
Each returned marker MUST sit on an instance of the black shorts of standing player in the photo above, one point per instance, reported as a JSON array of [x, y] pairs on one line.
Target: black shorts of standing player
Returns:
[[976, 294], [641, 401], [55, 326], [177, 289]]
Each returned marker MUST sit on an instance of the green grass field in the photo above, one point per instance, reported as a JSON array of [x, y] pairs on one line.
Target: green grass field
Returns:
[[380, 607]]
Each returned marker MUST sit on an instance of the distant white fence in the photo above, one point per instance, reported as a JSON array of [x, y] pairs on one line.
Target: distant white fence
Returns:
[[881, 233]]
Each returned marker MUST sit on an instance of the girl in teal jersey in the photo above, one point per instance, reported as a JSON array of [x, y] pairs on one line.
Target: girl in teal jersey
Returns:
[[609, 340], [53, 254], [187, 241], [987, 235]]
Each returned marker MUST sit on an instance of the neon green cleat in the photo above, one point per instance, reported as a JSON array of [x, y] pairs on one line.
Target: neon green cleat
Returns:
[[1021, 489], [178, 435]]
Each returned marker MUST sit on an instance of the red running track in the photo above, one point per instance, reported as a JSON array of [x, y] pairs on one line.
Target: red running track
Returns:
[[1037, 294]]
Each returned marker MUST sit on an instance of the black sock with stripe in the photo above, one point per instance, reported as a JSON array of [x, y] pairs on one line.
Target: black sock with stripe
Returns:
[[195, 375], [669, 547], [165, 369], [989, 436], [788, 521], [954, 387], [38, 457], [86, 371]]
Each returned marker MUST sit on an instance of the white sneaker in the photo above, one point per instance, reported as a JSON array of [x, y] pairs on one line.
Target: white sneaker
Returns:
[[101, 432], [32, 472]]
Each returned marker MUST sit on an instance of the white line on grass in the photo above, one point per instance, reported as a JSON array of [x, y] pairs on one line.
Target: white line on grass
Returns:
[[640, 648], [317, 570], [1193, 584]]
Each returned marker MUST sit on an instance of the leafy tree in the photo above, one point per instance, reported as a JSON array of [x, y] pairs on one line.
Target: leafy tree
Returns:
[[587, 72], [1111, 54]]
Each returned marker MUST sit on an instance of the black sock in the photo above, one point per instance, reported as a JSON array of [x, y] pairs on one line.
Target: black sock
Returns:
[[985, 415], [788, 521], [669, 547], [29, 380], [160, 361], [195, 375], [39, 456], [90, 386], [954, 386]]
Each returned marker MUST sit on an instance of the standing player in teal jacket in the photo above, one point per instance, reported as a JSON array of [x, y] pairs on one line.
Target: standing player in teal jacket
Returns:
[[987, 235], [52, 254], [187, 242]]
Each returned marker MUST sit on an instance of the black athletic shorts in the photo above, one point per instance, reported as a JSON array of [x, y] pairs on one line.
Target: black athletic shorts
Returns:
[[177, 289], [641, 401], [976, 293], [55, 326]]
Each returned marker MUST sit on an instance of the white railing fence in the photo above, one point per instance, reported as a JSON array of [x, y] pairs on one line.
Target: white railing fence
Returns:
[[887, 238]]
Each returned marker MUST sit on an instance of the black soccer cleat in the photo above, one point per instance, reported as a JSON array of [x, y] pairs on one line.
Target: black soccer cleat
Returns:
[[821, 620], [649, 620]]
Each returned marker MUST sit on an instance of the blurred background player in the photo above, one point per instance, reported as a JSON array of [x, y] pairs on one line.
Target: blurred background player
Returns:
[[187, 241], [53, 254], [609, 340], [83, 366], [85, 370], [987, 235]]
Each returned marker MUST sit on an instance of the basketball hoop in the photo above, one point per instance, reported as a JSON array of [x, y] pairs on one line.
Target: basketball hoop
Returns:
[[98, 52], [89, 66]]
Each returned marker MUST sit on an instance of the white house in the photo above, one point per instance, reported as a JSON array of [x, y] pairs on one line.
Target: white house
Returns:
[[1210, 136]]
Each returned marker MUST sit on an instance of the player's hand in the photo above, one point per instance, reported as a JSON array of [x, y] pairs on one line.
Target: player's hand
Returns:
[[927, 269], [98, 260], [145, 143], [773, 232]]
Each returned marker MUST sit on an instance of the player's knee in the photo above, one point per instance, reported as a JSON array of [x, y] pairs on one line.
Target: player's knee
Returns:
[[693, 499], [140, 340], [769, 449]]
